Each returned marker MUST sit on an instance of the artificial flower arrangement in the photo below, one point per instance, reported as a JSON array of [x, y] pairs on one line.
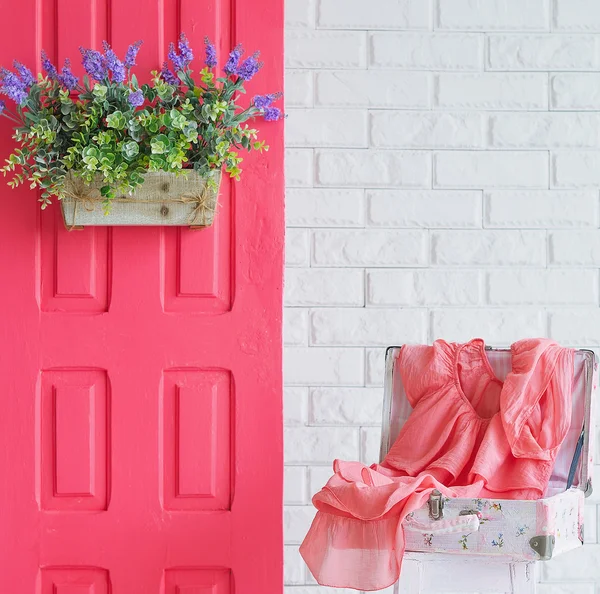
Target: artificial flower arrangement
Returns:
[[102, 139]]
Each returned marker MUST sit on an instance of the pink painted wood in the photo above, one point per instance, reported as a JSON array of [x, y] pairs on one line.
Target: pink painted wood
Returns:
[[140, 434]]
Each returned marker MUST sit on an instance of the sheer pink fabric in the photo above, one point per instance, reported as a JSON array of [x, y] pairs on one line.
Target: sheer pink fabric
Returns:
[[469, 435]]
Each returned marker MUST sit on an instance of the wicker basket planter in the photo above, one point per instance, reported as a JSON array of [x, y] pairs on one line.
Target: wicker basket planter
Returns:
[[163, 199]]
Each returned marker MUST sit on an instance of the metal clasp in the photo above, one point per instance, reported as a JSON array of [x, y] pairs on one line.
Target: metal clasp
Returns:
[[436, 505]]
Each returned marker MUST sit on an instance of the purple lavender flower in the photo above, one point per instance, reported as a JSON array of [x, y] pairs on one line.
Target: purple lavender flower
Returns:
[[136, 98], [95, 63], [25, 74], [48, 67], [234, 58], [168, 76], [13, 86], [132, 52], [211, 54], [66, 78], [185, 51], [272, 114], [264, 101], [116, 67], [2, 106], [249, 67]]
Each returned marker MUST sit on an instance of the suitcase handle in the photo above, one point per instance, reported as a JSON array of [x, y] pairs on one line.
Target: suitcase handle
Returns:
[[459, 524]]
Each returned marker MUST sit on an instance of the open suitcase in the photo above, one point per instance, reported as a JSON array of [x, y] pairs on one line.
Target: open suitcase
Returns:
[[518, 530]]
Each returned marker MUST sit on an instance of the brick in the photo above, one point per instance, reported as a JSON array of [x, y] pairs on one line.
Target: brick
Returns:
[[576, 15], [318, 477], [419, 129], [299, 88], [375, 366], [575, 327], [574, 248], [575, 91], [486, 169], [296, 247], [360, 168], [367, 327], [424, 208], [370, 248], [325, 49], [294, 485], [540, 208], [498, 326], [542, 52], [300, 13], [368, 88], [323, 367], [299, 167], [293, 566], [572, 565], [386, 14], [591, 524], [536, 287], [550, 130], [492, 90], [424, 287], [320, 444], [296, 522], [324, 208], [346, 406], [295, 406], [370, 443], [316, 286], [562, 588], [493, 248], [576, 169], [326, 127], [427, 51], [491, 15], [295, 325]]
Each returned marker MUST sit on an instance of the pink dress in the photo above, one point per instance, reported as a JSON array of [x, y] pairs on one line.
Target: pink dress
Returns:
[[469, 435]]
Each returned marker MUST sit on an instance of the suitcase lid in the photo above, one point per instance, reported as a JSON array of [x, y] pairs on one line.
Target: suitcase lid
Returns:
[[573, 466]]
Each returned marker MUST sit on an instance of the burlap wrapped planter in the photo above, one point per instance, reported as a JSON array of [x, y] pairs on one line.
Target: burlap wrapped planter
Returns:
[[163, 199]]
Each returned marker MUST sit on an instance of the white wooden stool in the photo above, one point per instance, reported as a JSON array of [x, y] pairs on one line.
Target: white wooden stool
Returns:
[[435, 573]]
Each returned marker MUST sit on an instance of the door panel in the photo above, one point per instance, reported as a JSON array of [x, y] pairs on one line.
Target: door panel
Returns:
[[140, 440]]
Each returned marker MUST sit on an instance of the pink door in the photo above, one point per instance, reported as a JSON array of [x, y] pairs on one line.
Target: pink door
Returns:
[[140, 368]]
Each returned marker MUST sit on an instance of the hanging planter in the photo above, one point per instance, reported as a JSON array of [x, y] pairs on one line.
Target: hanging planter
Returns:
[[118, 153], [162, 199]]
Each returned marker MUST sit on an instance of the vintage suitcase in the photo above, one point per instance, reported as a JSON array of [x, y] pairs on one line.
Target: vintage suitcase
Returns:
[[513, 529]]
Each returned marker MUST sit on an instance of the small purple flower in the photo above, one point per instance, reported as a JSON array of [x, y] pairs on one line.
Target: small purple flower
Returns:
[[168, 76], [48, 67], [25, 74], [185, 51], [12, 86], [249, 67], [94, 63], [136, 99], [234, 58], [272, 114], [211, 54], [264, 101], [2, 106], [116, 67], [66, 78], [132, 52]]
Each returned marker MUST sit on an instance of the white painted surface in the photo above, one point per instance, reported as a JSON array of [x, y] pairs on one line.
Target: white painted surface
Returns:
[[443, 181]]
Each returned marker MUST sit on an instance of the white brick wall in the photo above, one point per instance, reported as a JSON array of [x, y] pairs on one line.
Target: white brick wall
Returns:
[[443, 175]]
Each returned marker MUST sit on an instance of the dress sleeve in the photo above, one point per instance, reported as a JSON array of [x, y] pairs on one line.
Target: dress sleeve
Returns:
[[424, 369]]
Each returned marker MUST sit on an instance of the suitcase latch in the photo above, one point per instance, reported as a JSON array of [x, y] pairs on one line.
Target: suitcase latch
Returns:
[[436, 505]]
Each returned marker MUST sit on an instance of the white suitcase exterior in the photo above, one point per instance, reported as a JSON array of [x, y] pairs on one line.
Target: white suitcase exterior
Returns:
[[519, 530]]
